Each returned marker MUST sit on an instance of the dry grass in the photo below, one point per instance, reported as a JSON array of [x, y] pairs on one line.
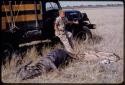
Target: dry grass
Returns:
[[107, 37]]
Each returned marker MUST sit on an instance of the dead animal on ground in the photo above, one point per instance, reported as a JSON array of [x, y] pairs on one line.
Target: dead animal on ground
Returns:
[[52, 61], [101, 56], [58, 57]]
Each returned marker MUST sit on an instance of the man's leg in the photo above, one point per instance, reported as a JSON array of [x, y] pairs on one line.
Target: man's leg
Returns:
[[66, 43], [70, 38]]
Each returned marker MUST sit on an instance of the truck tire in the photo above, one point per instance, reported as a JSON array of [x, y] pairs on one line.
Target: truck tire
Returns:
[[88, 33], [84, 34]]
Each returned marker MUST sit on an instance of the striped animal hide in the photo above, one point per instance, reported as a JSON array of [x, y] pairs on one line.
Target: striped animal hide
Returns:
[[52, 61]]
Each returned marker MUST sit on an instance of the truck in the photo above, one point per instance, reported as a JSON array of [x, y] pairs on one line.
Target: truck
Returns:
[[26, 21]]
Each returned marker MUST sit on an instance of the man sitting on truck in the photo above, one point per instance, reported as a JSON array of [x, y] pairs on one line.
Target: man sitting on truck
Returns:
[[62, 33]]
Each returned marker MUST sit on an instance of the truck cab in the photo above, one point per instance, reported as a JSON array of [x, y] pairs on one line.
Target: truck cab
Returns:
[[26, 21]]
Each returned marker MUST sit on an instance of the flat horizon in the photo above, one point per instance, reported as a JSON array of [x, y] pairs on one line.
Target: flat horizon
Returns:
[[86, 3]]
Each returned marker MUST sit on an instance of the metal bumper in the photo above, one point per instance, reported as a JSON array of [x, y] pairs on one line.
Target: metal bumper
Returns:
[[92, 26]]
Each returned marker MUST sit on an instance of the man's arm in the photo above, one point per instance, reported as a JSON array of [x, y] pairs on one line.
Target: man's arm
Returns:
[[56, 26]]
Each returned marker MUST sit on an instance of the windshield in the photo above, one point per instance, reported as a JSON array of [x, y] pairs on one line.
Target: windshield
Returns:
[[73, 15], [51, 5]]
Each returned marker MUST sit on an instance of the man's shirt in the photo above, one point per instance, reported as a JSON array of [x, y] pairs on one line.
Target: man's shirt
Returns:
[[61, 22]]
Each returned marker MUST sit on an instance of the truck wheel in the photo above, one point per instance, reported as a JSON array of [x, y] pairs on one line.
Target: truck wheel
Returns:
[[87, 33], [6, 51], [84, 34]]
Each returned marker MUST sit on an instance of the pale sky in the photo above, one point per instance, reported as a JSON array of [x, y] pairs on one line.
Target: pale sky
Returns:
[[78, 3]]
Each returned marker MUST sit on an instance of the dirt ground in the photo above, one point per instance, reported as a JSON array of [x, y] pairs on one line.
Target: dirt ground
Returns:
[[107, 37]]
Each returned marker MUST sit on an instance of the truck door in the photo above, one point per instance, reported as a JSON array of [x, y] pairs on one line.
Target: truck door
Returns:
[[49, 14]]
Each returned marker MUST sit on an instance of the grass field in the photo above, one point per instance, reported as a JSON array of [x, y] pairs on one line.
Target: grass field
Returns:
[[108, 37]]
